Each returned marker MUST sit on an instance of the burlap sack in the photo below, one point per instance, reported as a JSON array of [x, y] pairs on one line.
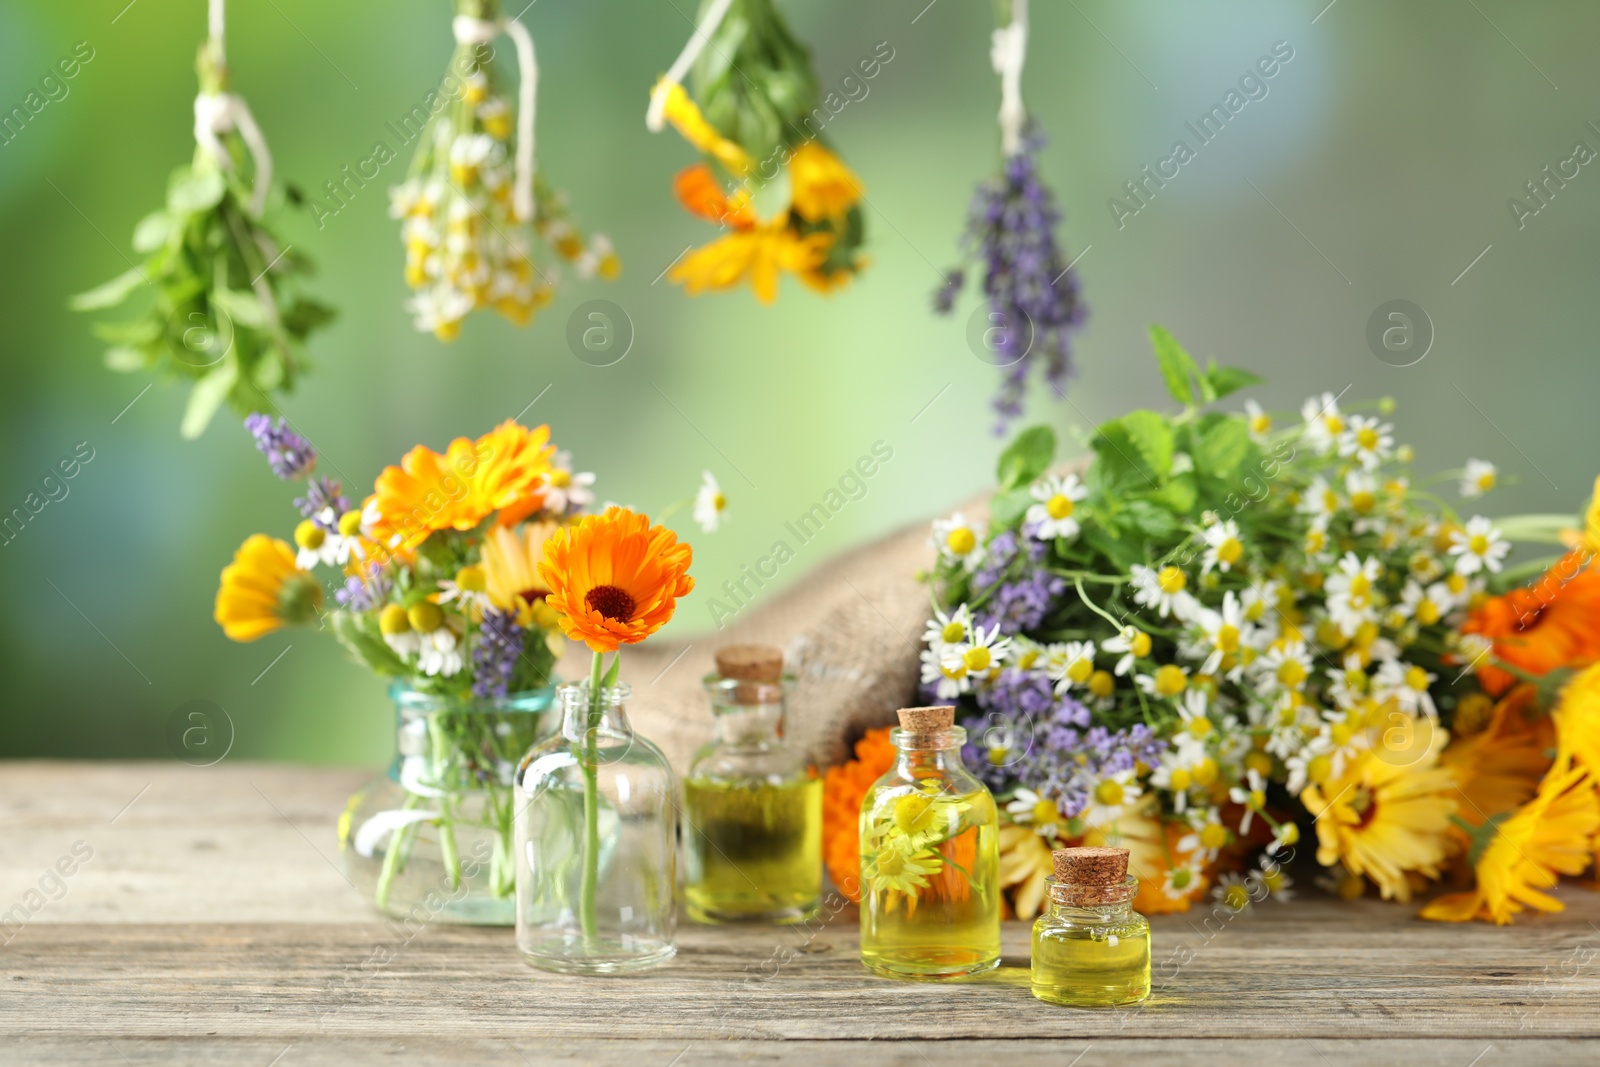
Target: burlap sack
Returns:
[[851, 630]]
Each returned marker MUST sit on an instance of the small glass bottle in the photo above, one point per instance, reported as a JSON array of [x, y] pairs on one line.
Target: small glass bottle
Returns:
[[1090, 948], [752, 813], [930, 858], [596, 837]]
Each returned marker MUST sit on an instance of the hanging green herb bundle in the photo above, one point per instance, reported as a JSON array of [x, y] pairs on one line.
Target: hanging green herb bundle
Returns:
[[1030, 289], [789, 204], [474, 187], [222, 314]]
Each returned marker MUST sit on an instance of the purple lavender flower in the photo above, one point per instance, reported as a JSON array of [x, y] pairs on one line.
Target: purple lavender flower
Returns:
[[364, 594], [494, 659], [289, 454], [1022, 603], [1011, 227], [323, 494]]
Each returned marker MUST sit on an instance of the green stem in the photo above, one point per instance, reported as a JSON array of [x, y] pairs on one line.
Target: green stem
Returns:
[[391, 858], [591, 805], [447, 834]]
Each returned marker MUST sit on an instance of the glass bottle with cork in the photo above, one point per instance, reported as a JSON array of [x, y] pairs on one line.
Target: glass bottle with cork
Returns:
[[752, 813], [930, 859], [1090, 948]]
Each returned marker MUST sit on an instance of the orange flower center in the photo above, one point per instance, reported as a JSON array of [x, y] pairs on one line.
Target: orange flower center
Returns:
[[610, 601]]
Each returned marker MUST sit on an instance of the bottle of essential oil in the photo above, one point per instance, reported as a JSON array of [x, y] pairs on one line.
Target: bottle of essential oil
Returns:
[[1090, 948], [930, 858], [752, 814]]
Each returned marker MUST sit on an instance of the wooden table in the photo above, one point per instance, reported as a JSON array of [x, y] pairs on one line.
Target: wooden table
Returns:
[[210, 925]]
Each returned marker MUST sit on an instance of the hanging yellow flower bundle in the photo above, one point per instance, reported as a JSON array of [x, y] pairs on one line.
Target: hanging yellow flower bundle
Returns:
[[474, 187], [223, 315], [788, 203]]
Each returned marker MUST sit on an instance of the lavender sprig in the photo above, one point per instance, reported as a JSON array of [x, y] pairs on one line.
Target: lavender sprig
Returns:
[[494, 659], [289, 454]]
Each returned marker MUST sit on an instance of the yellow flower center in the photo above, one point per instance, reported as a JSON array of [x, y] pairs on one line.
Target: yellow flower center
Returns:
[[1334, 424], [1044, 813], [720, 502], [1180, 779], [1485, 481], [1291, 674], [425, 616], [890, 863], [914, 813], [1273, 879], [997, 757], [1059, 506], [961, 540], [1417, 678], [1182, 878], [1340, 734], [1170, 680], [1213, 836], [952, 632], [1427, 612], [1101, 683], [955, 672], [977, 659], [392, 620], [1478, 544], [1363, 501], [350, 524], [1319, 768], [1228, 637], [1259, 762], [1236, 897], [1205, 772], [1456, 583], [1200, 727], [1290, 834], [1260, 424], [309, 535], [560, 478], [1257, 799], [1316, 540], [1079, 671], [1109, 793], [1171, 580], [471, 579], [1229, 551], [1367, 438], [1140, 645]]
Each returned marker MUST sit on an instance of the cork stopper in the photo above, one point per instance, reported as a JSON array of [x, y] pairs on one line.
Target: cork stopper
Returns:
[[750, 663], [927, 720], [1090, 875]]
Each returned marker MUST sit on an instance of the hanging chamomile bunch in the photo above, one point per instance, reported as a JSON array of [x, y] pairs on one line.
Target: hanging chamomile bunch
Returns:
[[474, 188], [223, 315], [788, 202], [1032, 294]]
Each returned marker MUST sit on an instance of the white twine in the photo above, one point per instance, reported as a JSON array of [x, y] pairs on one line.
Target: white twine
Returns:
[[218, 113], [654, 117], [471, 31], [1008, 51]]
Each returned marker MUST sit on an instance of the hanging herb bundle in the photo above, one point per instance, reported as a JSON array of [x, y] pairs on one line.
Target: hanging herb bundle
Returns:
[[223, 315], [474, 187], [768, 176], [1032, 294]]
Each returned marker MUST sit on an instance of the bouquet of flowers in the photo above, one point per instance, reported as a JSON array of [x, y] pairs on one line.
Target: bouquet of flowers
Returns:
[[1222, 636]]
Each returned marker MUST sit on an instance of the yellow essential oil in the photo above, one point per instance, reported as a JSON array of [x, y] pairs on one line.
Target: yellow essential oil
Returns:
[[753, 850], [1090, 948], [930, 868], [752, 814]]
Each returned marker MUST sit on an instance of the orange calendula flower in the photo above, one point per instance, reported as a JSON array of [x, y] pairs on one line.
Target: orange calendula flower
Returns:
[[1553, 623], [1499, 769], [501, 471], [697, 190], [264, 589], [614, 579], [843, 788], [821, 186], [1514, 859]]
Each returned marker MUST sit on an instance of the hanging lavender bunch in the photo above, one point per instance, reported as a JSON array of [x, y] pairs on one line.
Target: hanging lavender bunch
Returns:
[[1032, 295]]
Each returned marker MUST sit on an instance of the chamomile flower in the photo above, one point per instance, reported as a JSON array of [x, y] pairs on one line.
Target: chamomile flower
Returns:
[[319, 541], [1057, 497], [1227, 636], [1362, 490], [1272, 877], [1477, 547], [1224, 549], [1181, 880], [1197, 723], [1283, 667], [948, 630], [1110, 798], [944, 668], [1367, 441], [566, 491], [1427, 605], [1323, 422], [1165, 590], [1076, 660], [1478, 478], [1285, 836], [1352, 594], [469, 588], [1257, 420], [1252, 795], [1232, 893], [1169, 680], [1175, 772], [1043, 816], [1407, 685], [1260, 600], [1209, 836], [395, 625], [440, 654], [958, 540], [1131, 643], [709, 503]]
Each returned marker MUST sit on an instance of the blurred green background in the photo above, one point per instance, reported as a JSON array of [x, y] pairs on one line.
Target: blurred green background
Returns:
[[1377, 167]]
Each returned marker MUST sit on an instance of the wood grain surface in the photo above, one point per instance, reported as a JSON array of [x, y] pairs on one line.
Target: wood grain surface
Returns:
[[211, 925]]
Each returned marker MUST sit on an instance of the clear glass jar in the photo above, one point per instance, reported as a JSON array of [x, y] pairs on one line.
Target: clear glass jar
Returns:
[[595, 842], [752, 813], [432, 839], [1091, 955], [930, 893]]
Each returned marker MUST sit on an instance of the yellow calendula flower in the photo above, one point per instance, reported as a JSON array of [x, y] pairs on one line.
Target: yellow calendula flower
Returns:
[[1384, 819], [900, 868], [685, 117], [757, 256], [821, 186], [1553, 834], [263, 589], [511, 572], [1024, 865]]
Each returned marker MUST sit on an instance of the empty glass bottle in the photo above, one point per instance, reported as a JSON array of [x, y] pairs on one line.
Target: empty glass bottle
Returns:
[[596, 869], [930, 896], [1090, 948], [752, 812]]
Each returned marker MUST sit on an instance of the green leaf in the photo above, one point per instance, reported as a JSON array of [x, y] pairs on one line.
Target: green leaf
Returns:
[[1151, 435], [1222, 447], [1007, 508], [1121, 466], [126, 360], [141, 331], [206, 397], [108, 295], [1178, 368], [1225, 380], [191, 192], [1179, 494], [243, 308], [154, 231], [1027, 457], [305, 315], [1151, 521]]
